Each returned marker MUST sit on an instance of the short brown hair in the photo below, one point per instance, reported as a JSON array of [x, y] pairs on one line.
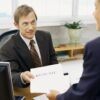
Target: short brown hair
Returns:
[[23, 10]]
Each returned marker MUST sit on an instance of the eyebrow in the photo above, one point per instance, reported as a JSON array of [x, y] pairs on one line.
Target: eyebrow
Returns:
[[26, 21]]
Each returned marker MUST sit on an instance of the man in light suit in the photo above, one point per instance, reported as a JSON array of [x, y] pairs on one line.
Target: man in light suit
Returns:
[[88, 87], [17, 49]]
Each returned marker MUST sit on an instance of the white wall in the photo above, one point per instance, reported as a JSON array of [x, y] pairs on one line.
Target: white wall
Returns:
[[60, 36]]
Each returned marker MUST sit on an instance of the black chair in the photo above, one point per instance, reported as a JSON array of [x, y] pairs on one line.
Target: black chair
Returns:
[[4, 37]]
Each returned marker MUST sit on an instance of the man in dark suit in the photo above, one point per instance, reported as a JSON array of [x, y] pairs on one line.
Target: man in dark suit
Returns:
[[88, 87], [17, 49]]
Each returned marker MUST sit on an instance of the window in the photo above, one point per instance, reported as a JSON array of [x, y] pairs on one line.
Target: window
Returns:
[[5, 9], [85, 10], [86, 7], [5, 13], [51, 11]]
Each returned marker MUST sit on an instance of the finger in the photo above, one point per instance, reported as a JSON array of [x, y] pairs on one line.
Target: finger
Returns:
[[29, 75], [26, 76]]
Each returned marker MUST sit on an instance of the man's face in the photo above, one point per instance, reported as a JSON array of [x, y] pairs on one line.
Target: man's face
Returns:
[[97, 14], [27, 25]]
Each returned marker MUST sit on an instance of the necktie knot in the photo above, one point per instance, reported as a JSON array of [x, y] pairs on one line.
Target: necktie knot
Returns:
[[32, 42]]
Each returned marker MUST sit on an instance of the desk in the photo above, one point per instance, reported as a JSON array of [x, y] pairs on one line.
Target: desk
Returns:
[[26, 91]]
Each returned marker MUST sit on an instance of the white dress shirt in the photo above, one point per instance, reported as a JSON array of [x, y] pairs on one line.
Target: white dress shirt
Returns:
[[27, 41]]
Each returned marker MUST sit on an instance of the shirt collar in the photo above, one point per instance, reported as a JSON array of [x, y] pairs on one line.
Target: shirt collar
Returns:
[[27, 41]]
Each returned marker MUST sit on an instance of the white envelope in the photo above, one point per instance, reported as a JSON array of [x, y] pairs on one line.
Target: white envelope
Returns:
[[48, 78]]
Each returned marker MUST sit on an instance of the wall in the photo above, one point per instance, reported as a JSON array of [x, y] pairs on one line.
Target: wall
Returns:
[[60, 36]]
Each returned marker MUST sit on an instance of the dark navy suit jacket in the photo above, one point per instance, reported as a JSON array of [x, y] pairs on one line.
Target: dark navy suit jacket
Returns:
[[88, 87], [17, 53]]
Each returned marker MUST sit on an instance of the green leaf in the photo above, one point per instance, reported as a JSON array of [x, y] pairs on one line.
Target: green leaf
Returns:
[[73, 25]]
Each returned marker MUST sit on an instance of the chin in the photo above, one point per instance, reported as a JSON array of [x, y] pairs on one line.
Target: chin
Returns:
[[29, 37]]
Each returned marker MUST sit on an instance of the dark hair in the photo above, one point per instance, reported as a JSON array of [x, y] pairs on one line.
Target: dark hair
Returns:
[[23, 10]]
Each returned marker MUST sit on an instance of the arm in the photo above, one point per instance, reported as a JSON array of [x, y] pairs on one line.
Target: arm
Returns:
[[17, 76], [89, 84], [18, 73]]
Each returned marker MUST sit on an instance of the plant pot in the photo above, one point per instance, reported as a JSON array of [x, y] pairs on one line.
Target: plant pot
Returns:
[[74, 36]]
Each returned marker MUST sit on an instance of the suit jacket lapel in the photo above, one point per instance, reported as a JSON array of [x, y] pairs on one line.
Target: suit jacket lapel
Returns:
[[22, 49], [41, 45]]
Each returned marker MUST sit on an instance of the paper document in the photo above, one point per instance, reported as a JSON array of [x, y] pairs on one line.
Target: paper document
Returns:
[[48, 78]]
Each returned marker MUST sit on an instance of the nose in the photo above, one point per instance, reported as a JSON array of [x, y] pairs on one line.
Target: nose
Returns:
[[30, 26]]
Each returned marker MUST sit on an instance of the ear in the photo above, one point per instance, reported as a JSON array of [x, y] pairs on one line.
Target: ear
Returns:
[[16, 25]]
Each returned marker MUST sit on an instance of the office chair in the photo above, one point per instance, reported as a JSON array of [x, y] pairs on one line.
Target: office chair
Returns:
[[4, 37]]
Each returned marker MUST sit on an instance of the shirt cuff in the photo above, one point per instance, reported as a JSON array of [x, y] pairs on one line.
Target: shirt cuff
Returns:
[[23, 82]]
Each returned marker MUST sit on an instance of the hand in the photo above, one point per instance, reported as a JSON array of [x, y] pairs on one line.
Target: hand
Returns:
[[26, 76], [52, 95]]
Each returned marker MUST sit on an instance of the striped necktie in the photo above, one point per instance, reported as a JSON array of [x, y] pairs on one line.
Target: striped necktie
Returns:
[[34, 53]]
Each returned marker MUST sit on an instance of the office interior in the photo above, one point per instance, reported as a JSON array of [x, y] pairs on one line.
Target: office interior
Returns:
[[59, 33]]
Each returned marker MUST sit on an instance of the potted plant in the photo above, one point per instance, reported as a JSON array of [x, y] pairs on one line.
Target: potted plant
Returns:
[[74, 31]]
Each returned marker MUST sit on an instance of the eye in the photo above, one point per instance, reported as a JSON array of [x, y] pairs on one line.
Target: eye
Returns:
[[25, 23], [33, 22]]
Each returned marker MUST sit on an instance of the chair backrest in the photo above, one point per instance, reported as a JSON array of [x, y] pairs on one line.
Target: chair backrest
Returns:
[[4, 37]]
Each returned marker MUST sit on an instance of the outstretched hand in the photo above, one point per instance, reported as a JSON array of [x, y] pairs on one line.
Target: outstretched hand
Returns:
[[26, 76]]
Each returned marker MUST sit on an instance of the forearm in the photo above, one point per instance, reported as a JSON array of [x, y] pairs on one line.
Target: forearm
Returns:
[[16, 79]]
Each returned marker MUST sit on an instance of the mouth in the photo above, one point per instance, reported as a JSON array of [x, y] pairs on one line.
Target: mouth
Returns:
[[31, 31]]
